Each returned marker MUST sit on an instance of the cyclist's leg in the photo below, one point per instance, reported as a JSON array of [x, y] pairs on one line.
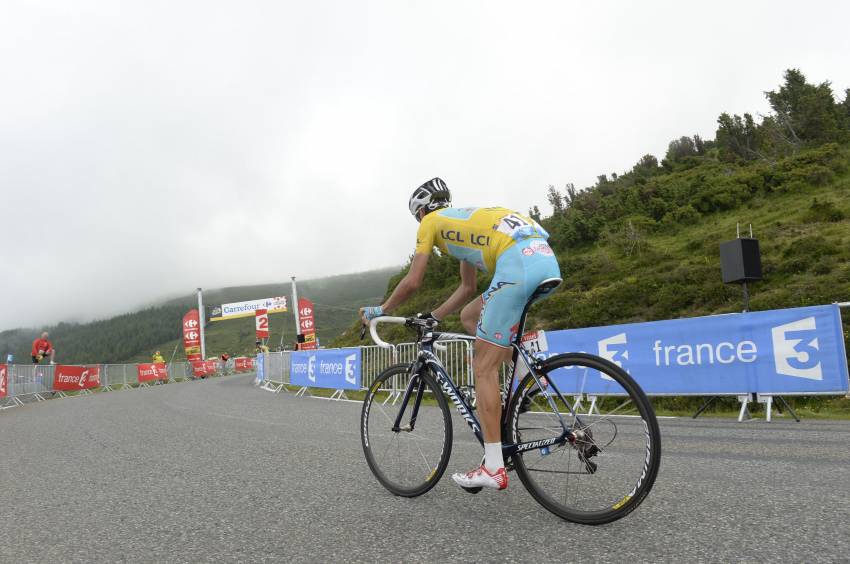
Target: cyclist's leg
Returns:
[[470, 314], [488, 401]]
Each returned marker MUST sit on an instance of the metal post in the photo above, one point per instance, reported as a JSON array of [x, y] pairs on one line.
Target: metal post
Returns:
[[295, 311], [202, 317]]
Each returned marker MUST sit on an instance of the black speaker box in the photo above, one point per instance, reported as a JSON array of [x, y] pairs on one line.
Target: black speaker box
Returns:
[[740, 260]]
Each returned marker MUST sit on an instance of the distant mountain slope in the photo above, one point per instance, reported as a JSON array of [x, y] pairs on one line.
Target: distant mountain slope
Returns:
[[134, 336]]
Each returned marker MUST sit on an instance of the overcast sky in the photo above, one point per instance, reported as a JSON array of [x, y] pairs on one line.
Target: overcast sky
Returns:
[[150, 147]]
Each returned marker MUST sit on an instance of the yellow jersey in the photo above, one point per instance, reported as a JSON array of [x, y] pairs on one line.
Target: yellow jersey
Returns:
[[475, 235]]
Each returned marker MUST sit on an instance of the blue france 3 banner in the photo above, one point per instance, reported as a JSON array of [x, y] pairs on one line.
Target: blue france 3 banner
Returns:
[[338, 369], [789, 351]]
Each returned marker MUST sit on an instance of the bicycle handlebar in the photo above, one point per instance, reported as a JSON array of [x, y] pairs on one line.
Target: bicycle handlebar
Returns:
[[385, 319]]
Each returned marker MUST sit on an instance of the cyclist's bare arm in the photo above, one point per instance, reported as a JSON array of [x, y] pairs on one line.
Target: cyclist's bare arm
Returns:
[[464, 292], [409, 284]]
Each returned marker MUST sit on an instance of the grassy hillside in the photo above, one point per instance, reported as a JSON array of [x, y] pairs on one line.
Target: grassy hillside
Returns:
[[644, 245], [133, 336], [641, 270]]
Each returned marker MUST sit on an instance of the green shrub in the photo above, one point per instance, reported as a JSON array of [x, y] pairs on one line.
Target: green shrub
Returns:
[[823, 212]]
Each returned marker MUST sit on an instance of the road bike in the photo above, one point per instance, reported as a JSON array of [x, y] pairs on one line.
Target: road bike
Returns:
[[590, 468]]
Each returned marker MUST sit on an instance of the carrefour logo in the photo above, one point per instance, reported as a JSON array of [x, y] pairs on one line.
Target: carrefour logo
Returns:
[[796, 348]]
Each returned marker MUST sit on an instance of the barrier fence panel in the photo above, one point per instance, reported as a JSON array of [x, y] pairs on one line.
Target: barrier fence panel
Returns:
[[113, 376], [30, 382], [455, 356], [178, 371], [375, 360]]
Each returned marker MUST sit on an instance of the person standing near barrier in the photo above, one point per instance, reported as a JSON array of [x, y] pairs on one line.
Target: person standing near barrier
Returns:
[[157, 358], [504, 244], [261, 348], [41, 348]]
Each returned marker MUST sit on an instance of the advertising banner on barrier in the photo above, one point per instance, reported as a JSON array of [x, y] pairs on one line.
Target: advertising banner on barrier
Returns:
[[261, 367], [262, 323], [192, 335], [338, 369], [307, 322], [152, 371], [70, 378], [247, 309], [4, 380], [204, 367], [788, 351], [243, 364]]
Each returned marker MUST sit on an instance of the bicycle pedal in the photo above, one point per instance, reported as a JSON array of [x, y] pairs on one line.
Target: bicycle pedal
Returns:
[[472, 490]]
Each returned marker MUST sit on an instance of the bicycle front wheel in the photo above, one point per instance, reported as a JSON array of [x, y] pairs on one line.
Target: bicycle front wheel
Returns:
[[407, 441], [610, 464]]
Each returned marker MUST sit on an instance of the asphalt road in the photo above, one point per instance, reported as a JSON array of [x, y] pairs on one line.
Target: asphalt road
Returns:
[[221, 471]]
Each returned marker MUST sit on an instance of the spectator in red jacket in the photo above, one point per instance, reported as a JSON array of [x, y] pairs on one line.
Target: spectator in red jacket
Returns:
[[42, 348]]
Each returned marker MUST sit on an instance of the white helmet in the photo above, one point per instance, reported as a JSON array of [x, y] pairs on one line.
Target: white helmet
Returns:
[[432, 195]]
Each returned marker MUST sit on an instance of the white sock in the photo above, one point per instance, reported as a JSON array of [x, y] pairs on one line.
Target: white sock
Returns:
[[493, 456]]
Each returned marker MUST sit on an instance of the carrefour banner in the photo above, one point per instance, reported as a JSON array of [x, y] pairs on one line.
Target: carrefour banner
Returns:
[[248, 309], [788, 351], [338, 369]]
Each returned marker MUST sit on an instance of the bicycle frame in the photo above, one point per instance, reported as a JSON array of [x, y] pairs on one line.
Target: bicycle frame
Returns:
[[428, 360]]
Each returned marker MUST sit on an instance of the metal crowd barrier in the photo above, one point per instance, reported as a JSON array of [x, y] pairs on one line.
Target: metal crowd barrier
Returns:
[[28, 383], [276, 366]]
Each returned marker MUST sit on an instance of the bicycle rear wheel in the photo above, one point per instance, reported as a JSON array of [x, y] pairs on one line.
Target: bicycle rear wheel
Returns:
[[408, 460], [611, 465]]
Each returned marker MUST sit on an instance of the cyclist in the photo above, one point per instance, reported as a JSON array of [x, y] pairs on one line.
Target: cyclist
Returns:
[[504, 244]]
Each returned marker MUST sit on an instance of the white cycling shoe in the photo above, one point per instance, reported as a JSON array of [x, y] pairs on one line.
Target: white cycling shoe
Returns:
[[482, 478]]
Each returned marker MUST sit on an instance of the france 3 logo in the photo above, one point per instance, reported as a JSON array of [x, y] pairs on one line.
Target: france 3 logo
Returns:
[[796, 349], [614, 349], [311, 368]]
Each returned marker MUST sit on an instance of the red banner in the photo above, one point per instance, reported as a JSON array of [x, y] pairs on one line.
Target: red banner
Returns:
[[4, 380], [307, 321], [243, 364], [204, 367], [192, 335], [69, 378], [262, 317], [152, 371]]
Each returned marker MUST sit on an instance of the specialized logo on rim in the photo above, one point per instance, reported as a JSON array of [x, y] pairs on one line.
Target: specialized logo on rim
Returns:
[[646, 461]]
